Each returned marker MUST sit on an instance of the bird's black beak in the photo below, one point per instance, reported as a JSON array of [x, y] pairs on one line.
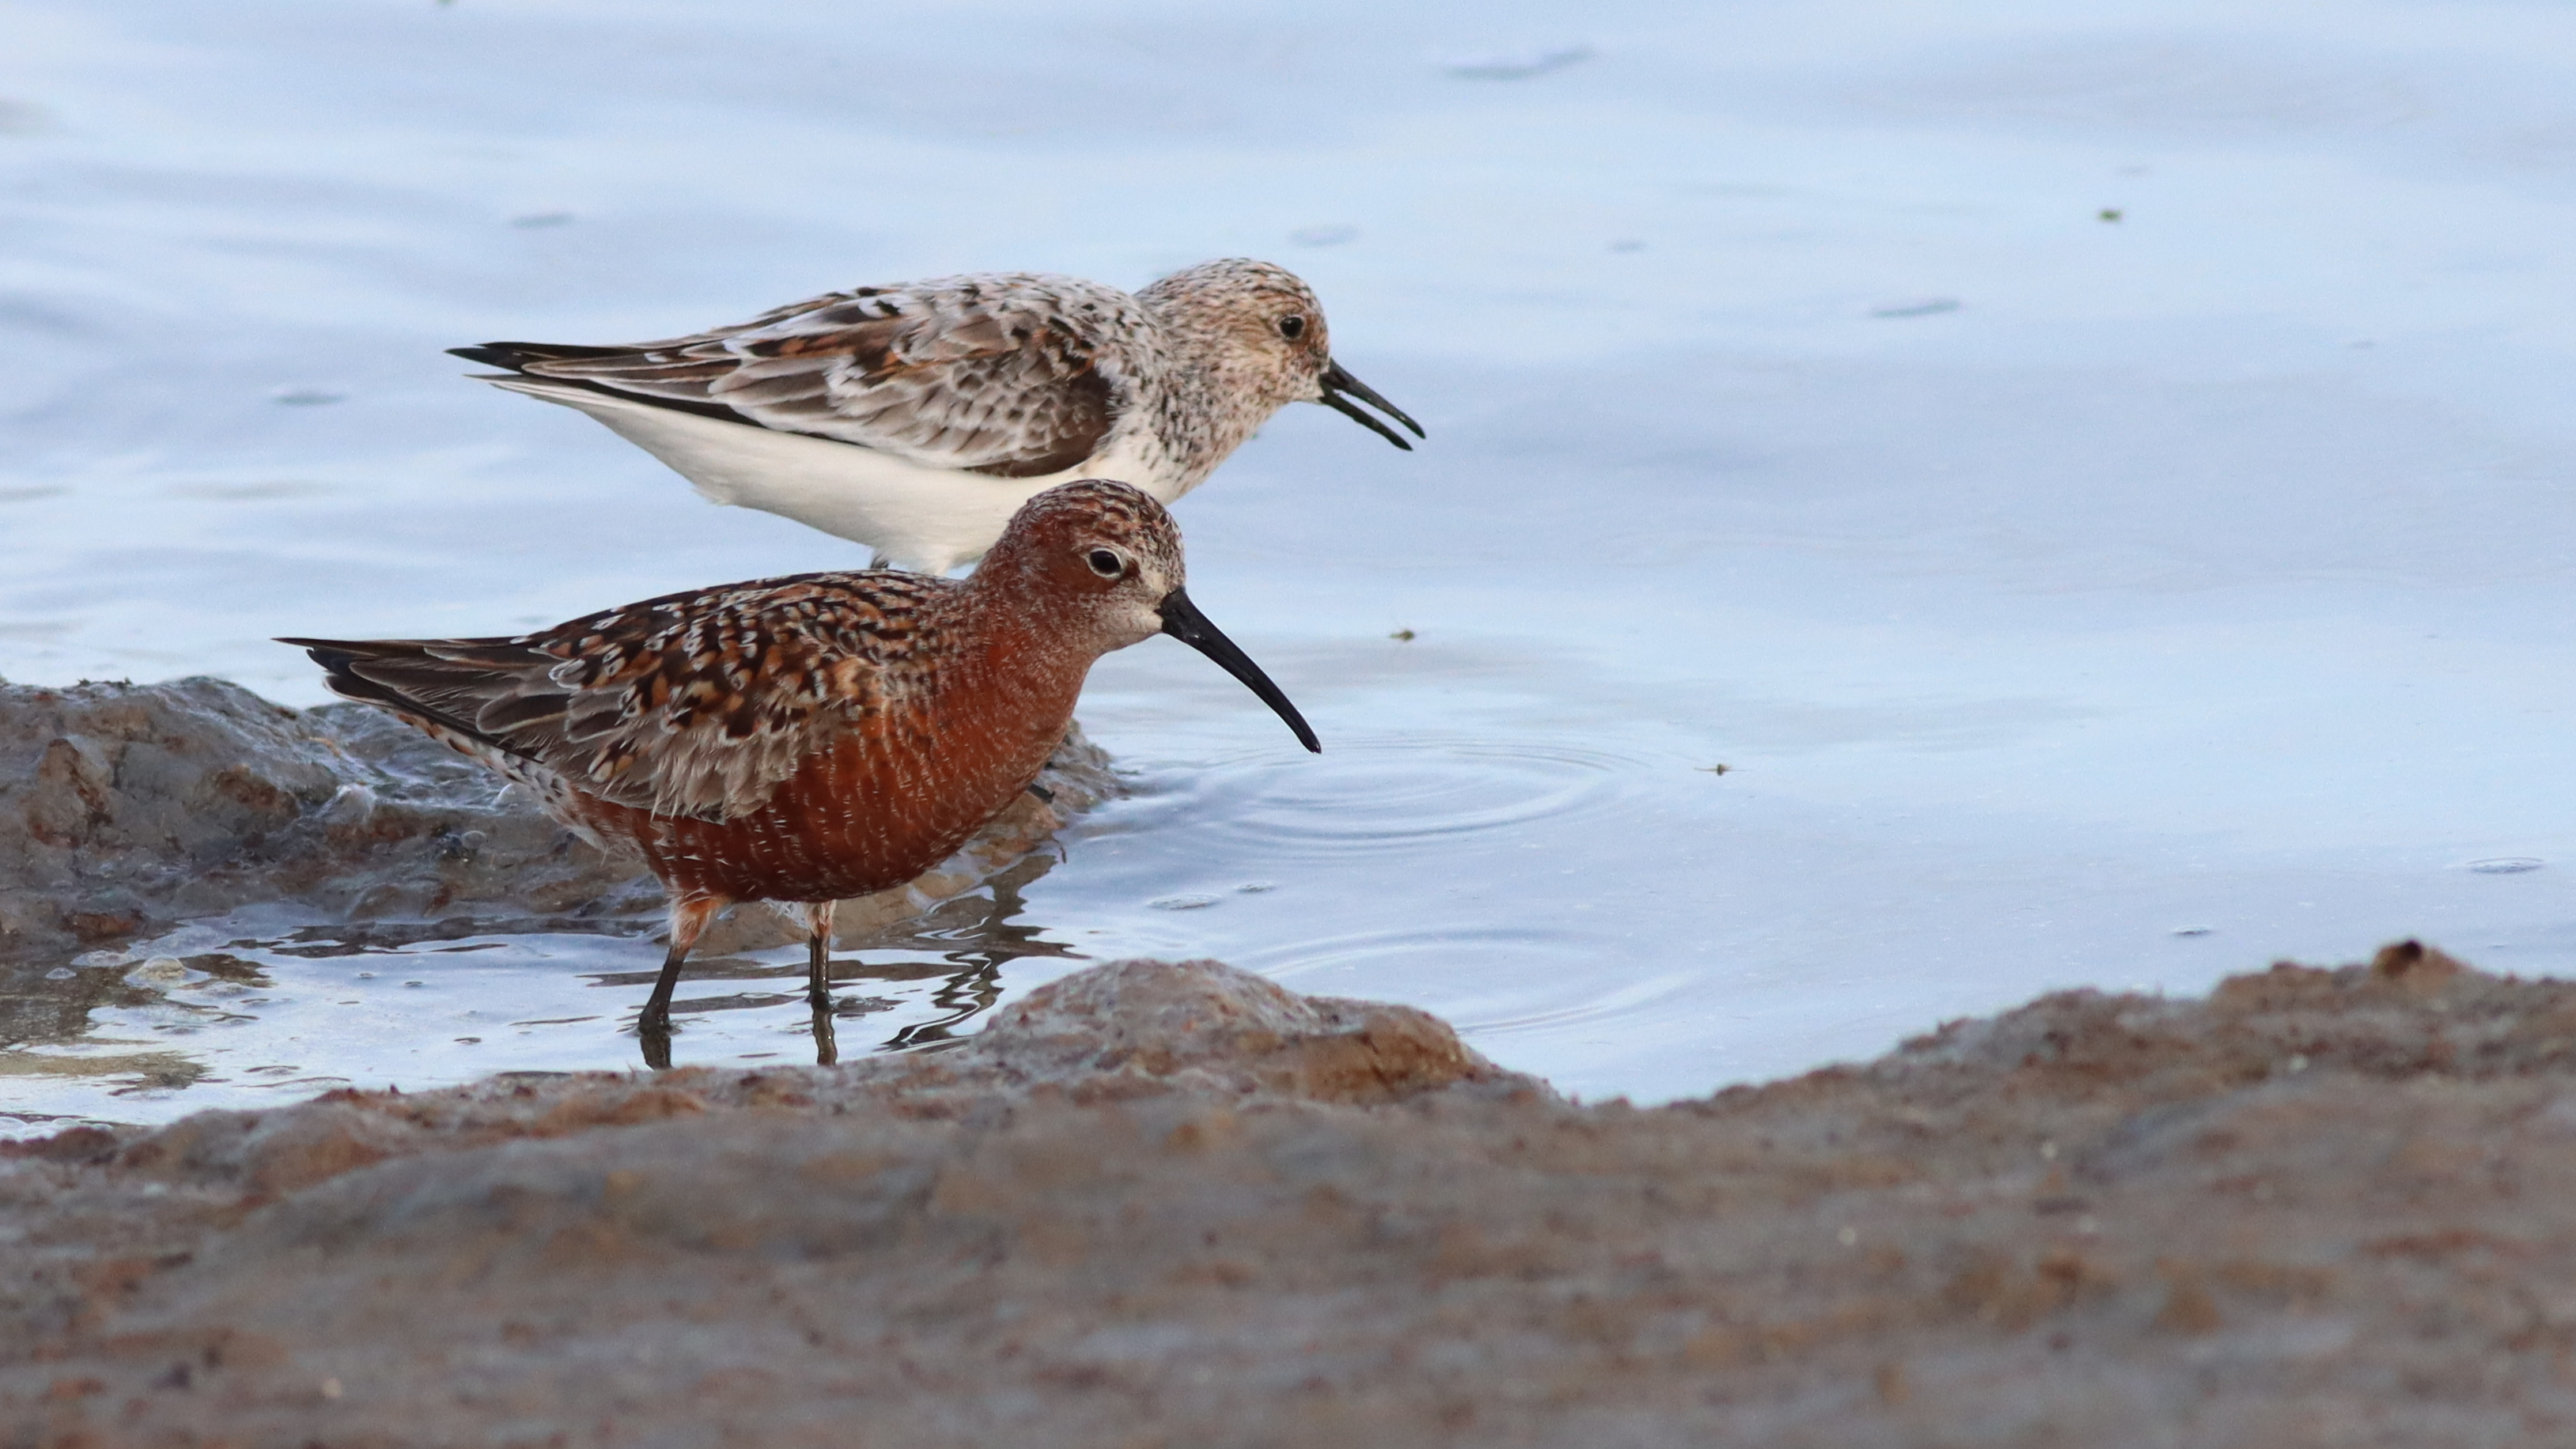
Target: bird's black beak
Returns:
[[1183, 621], [1336, 382]]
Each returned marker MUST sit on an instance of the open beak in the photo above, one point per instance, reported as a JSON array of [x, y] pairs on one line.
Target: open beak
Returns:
[[1336, 383], [1183, 621]]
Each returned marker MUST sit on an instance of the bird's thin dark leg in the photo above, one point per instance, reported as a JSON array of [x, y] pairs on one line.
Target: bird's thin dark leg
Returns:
[[818, 979], [658, 1009], [688, 921]]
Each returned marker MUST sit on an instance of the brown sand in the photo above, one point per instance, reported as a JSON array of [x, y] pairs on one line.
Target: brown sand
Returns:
[[1174, 1205]]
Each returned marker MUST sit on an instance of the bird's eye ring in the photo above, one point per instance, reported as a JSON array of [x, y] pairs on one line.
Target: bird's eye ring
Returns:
[[1292, 326], [1106, 564]]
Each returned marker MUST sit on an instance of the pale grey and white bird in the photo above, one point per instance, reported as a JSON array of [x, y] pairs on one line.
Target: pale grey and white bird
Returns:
[[917, 418]]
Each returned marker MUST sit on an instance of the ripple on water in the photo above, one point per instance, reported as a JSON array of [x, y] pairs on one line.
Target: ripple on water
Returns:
[[1395, 794], [1492, 981]]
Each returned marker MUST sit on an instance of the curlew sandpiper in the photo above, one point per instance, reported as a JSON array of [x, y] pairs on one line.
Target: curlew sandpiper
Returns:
[[806, 739]]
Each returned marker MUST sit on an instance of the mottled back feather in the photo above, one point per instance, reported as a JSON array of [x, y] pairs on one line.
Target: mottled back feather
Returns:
[[697, 704], [1012, 374]]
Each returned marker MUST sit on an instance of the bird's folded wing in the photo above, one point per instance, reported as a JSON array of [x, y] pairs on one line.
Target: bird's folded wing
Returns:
[[695, 704], [1016, 374]]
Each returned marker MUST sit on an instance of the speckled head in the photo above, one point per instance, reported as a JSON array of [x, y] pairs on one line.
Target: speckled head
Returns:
[[1261, 315], [1259, 325], [1102, 561]]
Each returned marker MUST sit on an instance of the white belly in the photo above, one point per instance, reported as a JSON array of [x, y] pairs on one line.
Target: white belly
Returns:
[[928, 519]]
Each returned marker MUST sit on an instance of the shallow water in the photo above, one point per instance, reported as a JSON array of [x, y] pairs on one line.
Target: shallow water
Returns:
[[2072, 600]]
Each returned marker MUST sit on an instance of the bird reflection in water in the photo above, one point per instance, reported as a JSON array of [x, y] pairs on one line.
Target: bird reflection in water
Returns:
[[972, 937]]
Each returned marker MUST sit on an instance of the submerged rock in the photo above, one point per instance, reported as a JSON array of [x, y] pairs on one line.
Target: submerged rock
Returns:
[[125, 808], [1159, 1204]]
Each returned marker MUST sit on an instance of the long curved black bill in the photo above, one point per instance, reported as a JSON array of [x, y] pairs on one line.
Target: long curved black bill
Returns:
[[1336, 382], [1183, 621]]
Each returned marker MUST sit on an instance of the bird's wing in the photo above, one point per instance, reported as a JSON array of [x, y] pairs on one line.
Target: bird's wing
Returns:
[[698, 704], [1016, 374]]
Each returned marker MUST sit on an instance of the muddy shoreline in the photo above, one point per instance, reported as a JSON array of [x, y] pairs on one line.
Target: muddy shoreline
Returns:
[[1176, 1205]]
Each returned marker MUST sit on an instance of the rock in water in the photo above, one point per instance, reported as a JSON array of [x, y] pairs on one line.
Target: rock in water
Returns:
[[124, 808]]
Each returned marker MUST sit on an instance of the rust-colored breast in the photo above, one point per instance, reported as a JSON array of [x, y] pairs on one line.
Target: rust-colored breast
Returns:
[[882, 803]]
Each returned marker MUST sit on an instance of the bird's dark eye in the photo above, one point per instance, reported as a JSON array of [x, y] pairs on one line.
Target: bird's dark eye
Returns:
[[1292, 326], [1106, 564]]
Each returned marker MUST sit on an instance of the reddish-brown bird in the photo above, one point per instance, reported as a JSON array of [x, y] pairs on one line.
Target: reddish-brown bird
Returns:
[[800, 740]]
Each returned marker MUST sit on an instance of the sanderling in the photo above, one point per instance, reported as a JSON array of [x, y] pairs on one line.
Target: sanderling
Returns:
[[811, 738], [916, 418]]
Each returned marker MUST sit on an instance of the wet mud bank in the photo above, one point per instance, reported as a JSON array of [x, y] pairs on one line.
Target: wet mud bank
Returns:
[[1176, 1205], [127, 808]]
